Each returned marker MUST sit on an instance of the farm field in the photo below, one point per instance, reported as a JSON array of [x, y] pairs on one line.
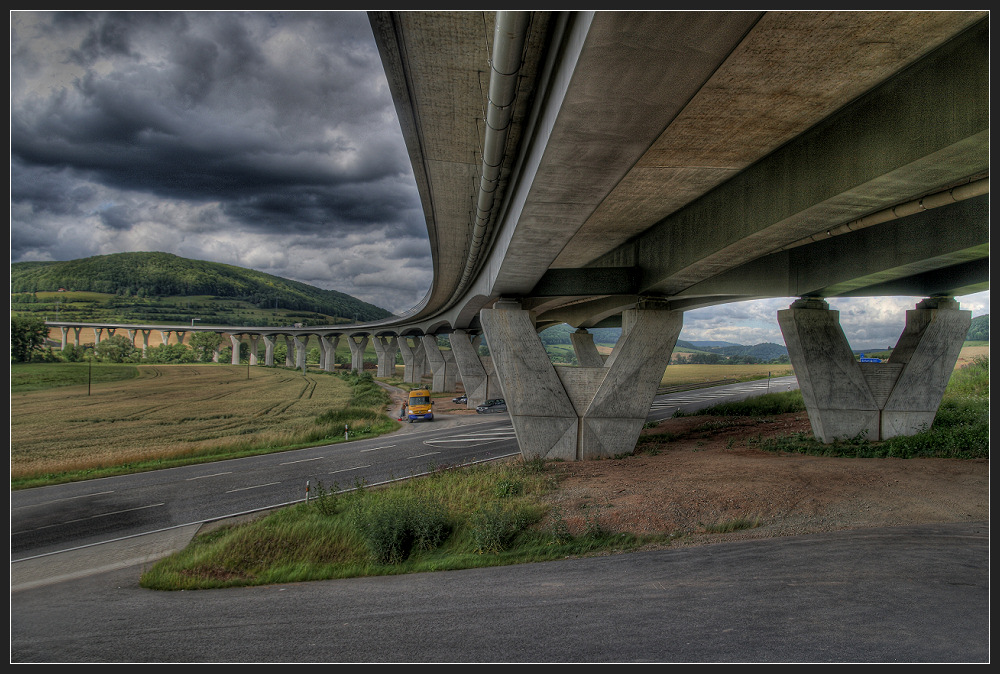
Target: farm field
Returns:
[[169, 412]]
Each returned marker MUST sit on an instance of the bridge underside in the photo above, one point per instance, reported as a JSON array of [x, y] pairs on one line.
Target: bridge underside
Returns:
[[621, 168]]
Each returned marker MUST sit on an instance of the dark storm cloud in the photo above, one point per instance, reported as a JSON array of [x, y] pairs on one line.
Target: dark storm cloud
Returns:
[[150, 128]]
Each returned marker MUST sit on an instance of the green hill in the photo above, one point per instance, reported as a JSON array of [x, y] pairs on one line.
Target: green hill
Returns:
[[979, 331], [165, 288]]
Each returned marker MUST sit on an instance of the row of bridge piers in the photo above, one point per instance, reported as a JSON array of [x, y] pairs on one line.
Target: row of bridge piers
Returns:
[[598, 408]]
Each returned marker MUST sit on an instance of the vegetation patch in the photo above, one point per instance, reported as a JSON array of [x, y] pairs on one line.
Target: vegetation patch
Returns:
[[450, 519], [144, 417]]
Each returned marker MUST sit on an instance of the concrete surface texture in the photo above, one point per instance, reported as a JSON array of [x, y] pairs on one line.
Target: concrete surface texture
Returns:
[[846, 398], [576, 413]]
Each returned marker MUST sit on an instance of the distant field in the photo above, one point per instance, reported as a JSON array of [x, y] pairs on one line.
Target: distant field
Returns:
[[973, 351], [168, 411], [676, 375]]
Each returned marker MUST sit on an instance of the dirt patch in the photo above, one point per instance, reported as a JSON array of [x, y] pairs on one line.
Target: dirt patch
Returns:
[[715, 476]]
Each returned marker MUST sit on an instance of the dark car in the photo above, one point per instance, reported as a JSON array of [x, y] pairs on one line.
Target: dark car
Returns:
[[492, 406], [461, 400]]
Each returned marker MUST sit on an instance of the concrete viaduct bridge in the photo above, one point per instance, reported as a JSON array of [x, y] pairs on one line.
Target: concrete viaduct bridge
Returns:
[[620, 168]]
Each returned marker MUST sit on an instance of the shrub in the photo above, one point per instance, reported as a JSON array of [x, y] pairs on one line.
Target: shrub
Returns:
[[493, 526], [393, 524]]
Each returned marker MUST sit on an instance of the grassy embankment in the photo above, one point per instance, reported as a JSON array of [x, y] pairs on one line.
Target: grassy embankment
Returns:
[[133, 418], [490, 514]]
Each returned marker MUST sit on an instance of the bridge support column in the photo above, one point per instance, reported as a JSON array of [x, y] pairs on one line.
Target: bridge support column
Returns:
[[289, 351], [76, 336], [268, 350], [479, 384], [253, 348], [846, 398], [414, 359], [386, 348], [64, 331], [145, 341], [442, 364], [97, 335], [300, 351], [328, 346], [578, 413], [358, 352], [235, 341], [585, 349]]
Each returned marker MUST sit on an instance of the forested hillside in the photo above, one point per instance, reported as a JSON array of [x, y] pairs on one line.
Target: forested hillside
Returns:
[[139, 277], [979, 331]]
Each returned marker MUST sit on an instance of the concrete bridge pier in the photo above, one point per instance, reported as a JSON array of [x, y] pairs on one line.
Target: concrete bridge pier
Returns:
[[479, 384], [253, 348], [268, 350], [301, 343], [442, 364], [846, 398], [289, 351], [358, 347], [579, 413], [414, 359], [386, 349], [235, 341], [328, 347], [586, 351]]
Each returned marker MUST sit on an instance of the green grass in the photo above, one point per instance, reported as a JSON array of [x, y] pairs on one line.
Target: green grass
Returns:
[[768, 404], [961, 428], [488, 514]]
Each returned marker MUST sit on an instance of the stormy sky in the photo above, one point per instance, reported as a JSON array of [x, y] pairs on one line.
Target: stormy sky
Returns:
[[258, 139]]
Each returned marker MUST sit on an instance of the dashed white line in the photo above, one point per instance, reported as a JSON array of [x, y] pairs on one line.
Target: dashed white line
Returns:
[[68, 498], [288, 463], [418, 456], [377, 448], [256, 486], [91, 517], [199, 477], [344, 470]]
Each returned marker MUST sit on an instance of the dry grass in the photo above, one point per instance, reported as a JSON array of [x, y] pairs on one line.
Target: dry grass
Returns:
[[168, 411]]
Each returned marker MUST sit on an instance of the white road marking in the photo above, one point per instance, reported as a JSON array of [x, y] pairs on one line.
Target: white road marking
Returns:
[[375, 448], [344, 470], [288, 463], [68, 498], [91, 517], [256, 486]]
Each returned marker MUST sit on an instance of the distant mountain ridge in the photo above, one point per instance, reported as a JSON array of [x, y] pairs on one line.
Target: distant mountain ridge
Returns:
[[164, 274]]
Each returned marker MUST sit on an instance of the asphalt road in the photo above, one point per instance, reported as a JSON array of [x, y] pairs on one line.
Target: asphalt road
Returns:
[[53, 519], [62, 517], [911, 594]]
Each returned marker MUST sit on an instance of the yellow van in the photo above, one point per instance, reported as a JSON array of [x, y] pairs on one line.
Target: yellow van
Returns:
[[419, 405]]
